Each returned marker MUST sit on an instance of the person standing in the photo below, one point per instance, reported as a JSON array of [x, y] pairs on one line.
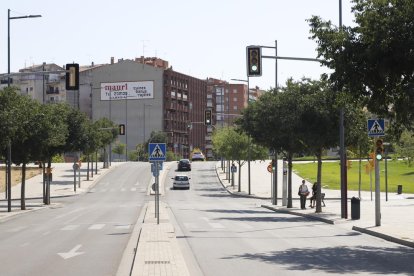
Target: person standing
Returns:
[[303, 193], [314, 195]]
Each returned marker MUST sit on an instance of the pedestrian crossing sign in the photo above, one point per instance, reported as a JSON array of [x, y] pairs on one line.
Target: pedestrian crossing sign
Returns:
[[157, 152], [376, 127]]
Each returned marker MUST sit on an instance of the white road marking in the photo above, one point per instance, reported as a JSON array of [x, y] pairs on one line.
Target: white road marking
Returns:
[[16, 229], [103, 190], [133, 189], [190, 225], [126, 226], [46, 233], [25, 244], [69, 213], [70, 227], [71, 253], [96, 226], [216, 225], [123, 189]]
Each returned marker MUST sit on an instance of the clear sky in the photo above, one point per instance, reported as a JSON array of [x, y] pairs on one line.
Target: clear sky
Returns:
[[199, 38]]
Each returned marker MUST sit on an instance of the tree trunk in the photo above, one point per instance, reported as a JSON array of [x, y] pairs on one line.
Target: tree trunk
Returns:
[[318, 180], [289, 157], [23, 189], [239, 175], [87, 170]]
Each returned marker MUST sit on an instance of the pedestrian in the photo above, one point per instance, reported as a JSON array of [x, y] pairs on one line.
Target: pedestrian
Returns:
[[303, 193], [314, 195]]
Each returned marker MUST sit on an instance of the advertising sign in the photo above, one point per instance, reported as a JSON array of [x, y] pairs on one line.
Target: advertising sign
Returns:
[[131, 90]]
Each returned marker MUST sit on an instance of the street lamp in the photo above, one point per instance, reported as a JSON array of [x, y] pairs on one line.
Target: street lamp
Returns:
[[144, 118], [8, 85]]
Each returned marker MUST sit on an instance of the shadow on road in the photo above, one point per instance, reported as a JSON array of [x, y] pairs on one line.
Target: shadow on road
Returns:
[[343, 260]]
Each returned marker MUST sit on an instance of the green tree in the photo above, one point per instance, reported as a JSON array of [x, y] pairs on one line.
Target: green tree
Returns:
[[273, 121], [119, 149], [234, 145], [373, 60], [405, 146]]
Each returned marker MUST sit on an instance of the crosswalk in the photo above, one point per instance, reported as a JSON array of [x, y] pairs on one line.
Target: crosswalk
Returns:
[[204, 223], [81, 227], [120, 189]]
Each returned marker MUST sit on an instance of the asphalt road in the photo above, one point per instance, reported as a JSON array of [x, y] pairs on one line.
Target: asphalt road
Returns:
[[227, 235], [85, 235]]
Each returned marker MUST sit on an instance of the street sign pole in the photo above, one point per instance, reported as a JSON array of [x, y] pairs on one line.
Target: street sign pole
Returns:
[[377, 193]]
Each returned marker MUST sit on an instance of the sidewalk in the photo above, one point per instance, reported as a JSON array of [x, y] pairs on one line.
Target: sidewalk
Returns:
[[62, 185], [397, 223]]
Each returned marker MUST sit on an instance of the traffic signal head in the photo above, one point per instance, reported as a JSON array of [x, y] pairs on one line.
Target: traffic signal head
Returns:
[[72, 76], [208, 117], [121, 129], [379, 151], [254, 61]]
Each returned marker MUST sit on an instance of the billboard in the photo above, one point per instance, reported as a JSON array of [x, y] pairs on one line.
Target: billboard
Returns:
[[131, 90]]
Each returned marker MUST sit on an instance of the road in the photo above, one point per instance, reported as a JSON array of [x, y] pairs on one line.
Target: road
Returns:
[[84, 235], [218, 234], [235, 236]]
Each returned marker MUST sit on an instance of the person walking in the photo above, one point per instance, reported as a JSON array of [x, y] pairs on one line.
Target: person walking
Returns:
[[303, 193]]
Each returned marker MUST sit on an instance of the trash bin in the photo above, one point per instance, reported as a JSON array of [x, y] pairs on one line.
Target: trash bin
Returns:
[[399, 189], [355, 208]]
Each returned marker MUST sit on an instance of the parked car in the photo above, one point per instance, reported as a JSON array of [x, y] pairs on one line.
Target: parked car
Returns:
[[181, 182], [184, 165]]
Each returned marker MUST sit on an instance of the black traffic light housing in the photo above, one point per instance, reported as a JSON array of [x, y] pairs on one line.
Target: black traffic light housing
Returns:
[[72, 76], [121, 129], [254, 61], [379, 150], [208, 114]]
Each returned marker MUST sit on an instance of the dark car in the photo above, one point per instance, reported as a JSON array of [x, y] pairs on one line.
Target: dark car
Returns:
[[184, 165]]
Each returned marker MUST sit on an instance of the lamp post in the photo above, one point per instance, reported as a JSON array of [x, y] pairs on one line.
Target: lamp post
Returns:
[[144, 118], [8, 180]]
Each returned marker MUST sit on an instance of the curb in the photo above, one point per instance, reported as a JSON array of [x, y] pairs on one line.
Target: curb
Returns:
[[128, 257], [384, 236]]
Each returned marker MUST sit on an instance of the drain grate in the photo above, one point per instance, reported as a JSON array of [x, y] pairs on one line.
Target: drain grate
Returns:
[[157, 262]]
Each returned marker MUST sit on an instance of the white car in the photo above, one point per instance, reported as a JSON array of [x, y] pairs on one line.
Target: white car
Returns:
[[181, 181]]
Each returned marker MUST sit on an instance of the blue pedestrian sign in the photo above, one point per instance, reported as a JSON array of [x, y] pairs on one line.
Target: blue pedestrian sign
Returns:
[[157, 151], [376, 127]]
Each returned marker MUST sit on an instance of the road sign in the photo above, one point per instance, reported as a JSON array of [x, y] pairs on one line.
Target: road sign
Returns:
[[157, 151], [376, 127], [270, 168]]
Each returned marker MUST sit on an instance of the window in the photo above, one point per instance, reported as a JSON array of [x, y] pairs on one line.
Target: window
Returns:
[[235, 107], [234, 91], [234, 99]]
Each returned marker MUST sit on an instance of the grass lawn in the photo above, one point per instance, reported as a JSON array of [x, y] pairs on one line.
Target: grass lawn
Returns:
[[398, 174]]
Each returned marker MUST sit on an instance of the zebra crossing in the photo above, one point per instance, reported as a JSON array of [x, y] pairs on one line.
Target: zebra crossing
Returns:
[[120, 189], [205, 223]]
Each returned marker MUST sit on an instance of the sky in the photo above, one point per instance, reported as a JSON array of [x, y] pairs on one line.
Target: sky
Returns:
[[198, 38]]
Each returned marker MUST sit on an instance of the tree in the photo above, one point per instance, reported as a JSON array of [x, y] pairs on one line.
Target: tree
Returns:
[[119, 149], [373, 61], [405, 147], [234, 144]]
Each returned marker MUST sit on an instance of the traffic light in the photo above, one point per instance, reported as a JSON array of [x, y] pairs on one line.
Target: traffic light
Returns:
[[208, 117], [379, 151], [121, 129], [273, 164], [72, 76], [254, 61]]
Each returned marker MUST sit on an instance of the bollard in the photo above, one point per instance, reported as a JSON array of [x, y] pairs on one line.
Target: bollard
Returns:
[[355, 208], [399, 189]]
